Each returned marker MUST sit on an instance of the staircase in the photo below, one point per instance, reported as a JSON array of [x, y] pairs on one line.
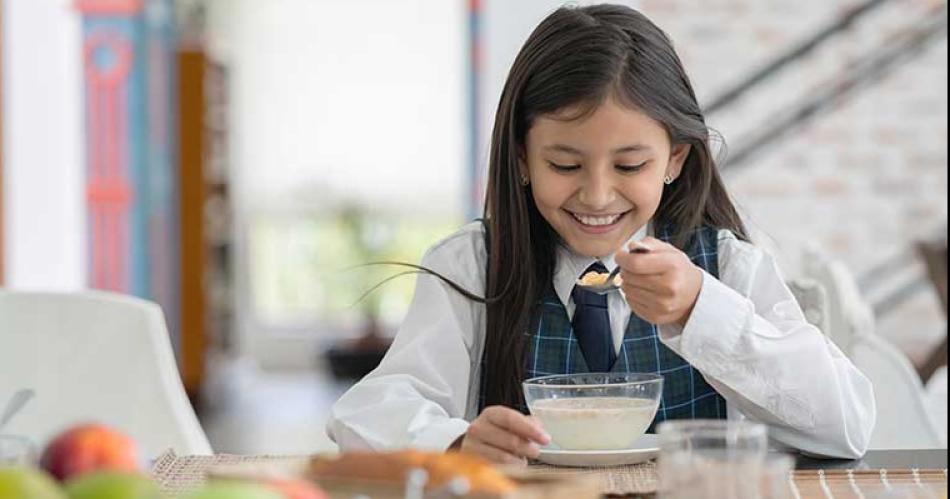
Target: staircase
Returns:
[[824, 93]]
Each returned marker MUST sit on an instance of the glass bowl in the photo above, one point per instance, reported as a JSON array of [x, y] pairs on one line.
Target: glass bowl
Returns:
[[594, 411]]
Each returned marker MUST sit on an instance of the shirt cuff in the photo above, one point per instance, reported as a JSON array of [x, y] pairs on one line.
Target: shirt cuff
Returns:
[[440, 435], [713, 329]]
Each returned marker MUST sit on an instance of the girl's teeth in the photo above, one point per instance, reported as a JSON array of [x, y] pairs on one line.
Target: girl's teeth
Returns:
[[596, 221]]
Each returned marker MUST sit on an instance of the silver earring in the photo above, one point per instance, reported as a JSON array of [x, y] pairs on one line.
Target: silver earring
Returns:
[[525, 180], [668, 180]]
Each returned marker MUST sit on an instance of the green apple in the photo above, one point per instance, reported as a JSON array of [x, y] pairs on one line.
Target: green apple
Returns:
[[233, 490], [112, 485], [28, 483]]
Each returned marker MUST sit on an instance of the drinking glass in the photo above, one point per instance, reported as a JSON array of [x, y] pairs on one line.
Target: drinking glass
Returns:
[[706, 459]]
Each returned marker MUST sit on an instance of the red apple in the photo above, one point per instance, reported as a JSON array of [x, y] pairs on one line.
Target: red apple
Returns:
[[89, 447], [296, 489]]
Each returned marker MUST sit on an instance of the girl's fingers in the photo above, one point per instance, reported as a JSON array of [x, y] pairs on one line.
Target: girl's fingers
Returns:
[[639, 247], [648, 287], [645, 304], [649, 284], [517, 423], [502, 439], [653, 244], [645, 264], [492, 453], [643, 309]]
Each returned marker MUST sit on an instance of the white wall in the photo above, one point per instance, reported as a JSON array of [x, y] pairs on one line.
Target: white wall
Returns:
[[42, 106], [349, 99]]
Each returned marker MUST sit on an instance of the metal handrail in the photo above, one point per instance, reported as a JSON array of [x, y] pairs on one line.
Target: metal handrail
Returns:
[[795, 53], [883, 60]]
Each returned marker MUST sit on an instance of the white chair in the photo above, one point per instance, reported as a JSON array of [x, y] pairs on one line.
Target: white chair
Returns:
[[904, 416], [813, 299], [97, 357], [937, 399]]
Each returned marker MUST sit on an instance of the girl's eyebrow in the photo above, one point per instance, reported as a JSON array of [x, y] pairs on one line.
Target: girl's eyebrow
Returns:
[[632, 148], [573, 150]]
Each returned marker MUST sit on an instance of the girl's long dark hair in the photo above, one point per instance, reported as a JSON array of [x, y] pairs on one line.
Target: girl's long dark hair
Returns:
[[582, 56]]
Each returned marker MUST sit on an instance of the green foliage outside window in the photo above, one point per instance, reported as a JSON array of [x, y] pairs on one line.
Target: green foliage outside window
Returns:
[[305, 271]]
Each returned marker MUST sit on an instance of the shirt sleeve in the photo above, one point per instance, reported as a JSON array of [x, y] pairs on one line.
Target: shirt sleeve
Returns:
[[750, 340], [419, 395]]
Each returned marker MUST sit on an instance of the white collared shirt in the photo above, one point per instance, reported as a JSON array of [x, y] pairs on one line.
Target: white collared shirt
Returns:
[[746, 335]]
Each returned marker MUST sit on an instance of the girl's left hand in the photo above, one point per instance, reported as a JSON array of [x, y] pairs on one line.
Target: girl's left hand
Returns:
[[661, 286]]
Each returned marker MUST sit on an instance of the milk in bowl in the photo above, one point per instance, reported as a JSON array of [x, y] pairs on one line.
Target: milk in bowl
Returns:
[[600, 411]]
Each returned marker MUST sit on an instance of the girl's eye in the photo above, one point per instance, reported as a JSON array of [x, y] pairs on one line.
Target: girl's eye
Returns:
[[563, 168], [630, 168]]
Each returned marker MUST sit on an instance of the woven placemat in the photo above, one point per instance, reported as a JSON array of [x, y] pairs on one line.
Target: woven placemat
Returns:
[[177, 475], [615, 480]]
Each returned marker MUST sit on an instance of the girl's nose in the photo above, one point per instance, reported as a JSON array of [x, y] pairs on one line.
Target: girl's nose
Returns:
[[597, 192]]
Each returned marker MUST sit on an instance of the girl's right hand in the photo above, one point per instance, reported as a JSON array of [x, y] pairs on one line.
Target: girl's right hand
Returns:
[[504, 435]]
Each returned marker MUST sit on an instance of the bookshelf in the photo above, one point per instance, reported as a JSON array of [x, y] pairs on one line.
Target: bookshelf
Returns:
[[207, 289], [217, 210]]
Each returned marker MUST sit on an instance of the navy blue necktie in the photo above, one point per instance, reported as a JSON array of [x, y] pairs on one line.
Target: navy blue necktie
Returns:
[[591, 325]]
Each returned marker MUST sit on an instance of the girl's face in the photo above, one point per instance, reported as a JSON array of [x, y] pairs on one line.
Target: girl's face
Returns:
[[599, 179]]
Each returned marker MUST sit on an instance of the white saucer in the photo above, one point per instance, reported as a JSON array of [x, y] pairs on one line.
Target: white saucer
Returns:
[[646, 448]]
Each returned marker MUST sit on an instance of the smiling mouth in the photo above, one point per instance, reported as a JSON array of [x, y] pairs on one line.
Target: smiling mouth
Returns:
[[597, 220]]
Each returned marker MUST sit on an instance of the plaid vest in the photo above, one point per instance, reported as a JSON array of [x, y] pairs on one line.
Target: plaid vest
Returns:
[[553, 349]]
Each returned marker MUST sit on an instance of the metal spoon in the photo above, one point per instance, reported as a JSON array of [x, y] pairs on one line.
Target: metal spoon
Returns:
[[609, 284], [19, 399]]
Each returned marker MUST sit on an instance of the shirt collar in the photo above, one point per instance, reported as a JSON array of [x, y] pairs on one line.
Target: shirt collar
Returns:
[[570, 266]]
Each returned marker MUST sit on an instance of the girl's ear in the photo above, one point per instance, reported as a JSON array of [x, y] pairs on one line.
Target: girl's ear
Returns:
[[522, 162], [678, 155]]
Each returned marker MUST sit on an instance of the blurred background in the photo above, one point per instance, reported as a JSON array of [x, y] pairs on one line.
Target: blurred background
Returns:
[[233, 159]]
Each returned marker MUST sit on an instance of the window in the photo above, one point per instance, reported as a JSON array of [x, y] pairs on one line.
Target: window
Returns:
[[345, 113]]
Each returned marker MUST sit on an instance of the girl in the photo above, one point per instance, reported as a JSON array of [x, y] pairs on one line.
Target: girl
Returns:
[[599, 142]]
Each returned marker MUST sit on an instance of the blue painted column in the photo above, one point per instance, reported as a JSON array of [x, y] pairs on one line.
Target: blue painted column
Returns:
[[128, 60]]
